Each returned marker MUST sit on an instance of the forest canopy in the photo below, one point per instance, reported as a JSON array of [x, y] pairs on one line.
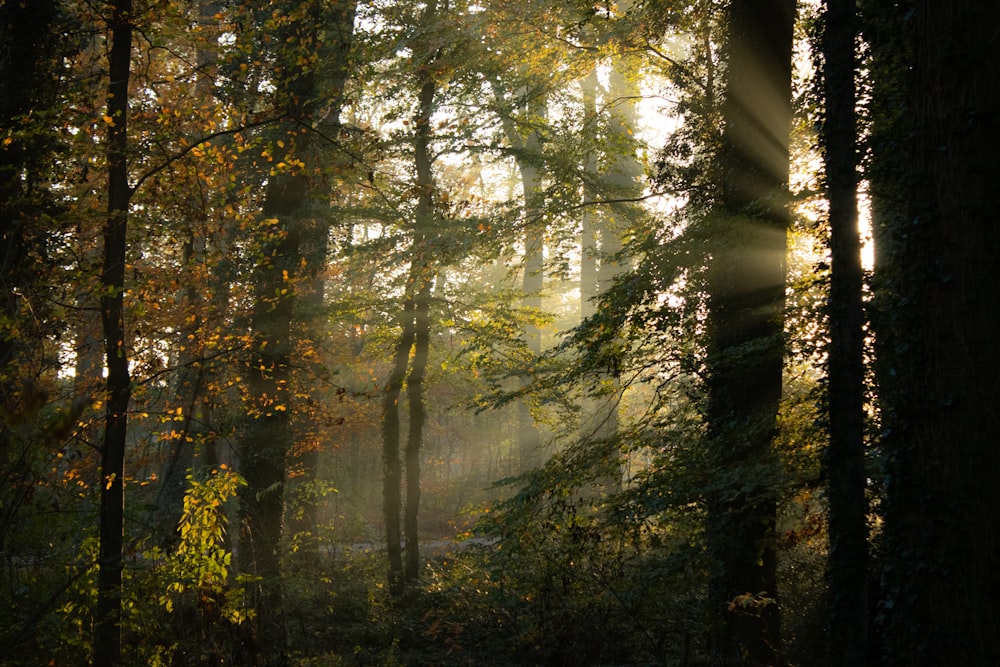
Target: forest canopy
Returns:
[[499, 333]]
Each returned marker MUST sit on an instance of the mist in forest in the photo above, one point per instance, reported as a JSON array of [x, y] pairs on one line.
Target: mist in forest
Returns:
[[498, 333]]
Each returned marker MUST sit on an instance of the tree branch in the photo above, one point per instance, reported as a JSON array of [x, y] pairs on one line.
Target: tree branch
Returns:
[[187, 149]]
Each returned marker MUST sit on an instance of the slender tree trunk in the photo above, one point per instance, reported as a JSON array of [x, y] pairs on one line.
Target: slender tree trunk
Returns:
[[746, 287], [192, 378], [845, 458], [527, 143], [937, 325], [415, 436], [590, 249], [620, 180], [422, 284], [588, 239], [107, 630], [529, 437], [392, 469]]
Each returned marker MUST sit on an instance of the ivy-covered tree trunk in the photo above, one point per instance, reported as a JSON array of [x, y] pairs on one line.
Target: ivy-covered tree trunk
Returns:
[[937, 316], [107, 630], [845, 457], [746, 292]]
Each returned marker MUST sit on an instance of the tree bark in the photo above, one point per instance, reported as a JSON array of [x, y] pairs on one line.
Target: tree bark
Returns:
[[937, 326], [524, 137], [107, 630], [746, 291], [845, 457]]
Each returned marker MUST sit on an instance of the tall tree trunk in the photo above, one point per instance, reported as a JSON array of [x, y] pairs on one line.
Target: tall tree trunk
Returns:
[[524, 136], [338, 19], [937, 326], [845, 458], [25, 70], [392, 469], [268, 434], [746, 291], [422, 284], [415, 331], [267, 438], [528, 159], [590, 247], [415, 335], [415, 436], [588, 239], [620, 180], [107, 630], [193, 376]]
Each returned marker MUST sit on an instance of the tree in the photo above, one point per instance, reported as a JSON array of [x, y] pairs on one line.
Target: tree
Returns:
[[845, 457], [933, 171], [292, 235], [415, 325], [194, 376], [521, 89], [107, 632], [523, 131], [529, 156], [616, 179], [33, 424], [312, 315], [25, 69], [288, 237], [746, 292]]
